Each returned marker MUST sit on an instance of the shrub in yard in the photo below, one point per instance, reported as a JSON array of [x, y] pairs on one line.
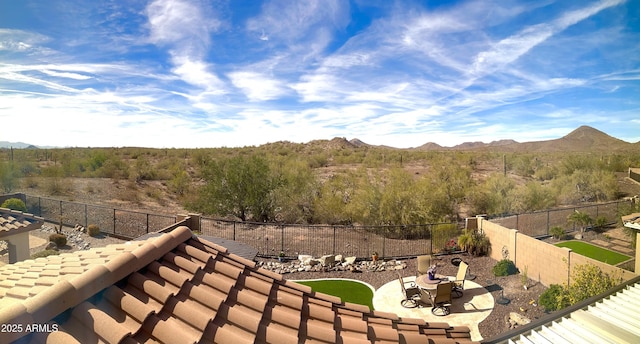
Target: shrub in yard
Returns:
[[43, 253], [14, 204], [93, 230], [475, 243], [59, 239], [599, 225], [552, 298], [557, 232], [505, 267]]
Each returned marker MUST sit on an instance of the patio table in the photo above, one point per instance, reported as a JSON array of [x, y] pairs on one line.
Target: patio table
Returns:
[[430, 285]]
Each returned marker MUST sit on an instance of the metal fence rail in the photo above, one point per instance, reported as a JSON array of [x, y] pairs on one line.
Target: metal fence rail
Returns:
[[318, 240], [538, 224], [118, 222], [270, 239]]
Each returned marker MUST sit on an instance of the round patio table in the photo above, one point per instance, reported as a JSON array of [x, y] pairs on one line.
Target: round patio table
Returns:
[[424, 282]]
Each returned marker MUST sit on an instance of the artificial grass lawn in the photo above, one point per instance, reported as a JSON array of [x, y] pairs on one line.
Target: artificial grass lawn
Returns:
[[348, 291], [595, 252]]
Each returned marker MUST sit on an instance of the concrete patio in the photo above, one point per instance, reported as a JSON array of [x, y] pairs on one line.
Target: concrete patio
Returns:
[[469, 310]]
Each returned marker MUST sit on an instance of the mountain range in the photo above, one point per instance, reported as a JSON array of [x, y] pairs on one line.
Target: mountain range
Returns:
[[582, 139]]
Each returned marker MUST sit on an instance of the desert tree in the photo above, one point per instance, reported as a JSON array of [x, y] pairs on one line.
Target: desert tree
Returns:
[[240, 186]]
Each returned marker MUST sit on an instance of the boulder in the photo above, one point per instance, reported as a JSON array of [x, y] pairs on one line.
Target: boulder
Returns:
[[349, 260], [304, 259], [518, 319], [327, 260]]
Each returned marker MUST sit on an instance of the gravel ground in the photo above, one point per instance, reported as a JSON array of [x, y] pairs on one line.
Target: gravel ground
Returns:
[[509, 287]]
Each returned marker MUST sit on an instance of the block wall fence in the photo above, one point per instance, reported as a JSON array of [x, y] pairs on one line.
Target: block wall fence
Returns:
[[545, 263]]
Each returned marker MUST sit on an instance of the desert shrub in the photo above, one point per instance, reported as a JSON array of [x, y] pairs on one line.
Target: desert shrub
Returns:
[[599, 224], [557, 232], [505, 267], [589, 280], [44, 253], [550, 298], [14, 204], [59, 239], [93, 230], [475, 243]]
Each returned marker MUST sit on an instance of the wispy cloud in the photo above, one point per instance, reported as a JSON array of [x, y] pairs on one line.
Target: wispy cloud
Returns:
[[401, 74], [185, 28]]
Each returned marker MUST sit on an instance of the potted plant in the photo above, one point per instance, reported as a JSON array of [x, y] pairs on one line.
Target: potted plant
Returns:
[[374, 256], [281, 256]]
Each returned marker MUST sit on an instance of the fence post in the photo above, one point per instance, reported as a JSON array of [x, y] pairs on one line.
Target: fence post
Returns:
[[548, 221], [384, 241], [334, 240], [114, 221], [147, 223], [86, 216], [281, 238], [234, 230]]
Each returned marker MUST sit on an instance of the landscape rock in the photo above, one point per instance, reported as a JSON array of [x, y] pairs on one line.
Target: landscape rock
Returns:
[[517, 319], [327, 260], [327, 263], [350, 260]]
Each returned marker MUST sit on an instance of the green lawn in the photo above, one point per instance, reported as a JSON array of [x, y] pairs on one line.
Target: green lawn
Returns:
[[595, 252], [347, 290]]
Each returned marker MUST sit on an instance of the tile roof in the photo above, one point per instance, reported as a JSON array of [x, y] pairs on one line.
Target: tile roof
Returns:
[[632, 220], [13, 222], [178, 288]]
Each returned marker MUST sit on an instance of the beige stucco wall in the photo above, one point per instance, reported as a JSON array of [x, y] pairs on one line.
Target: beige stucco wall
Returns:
[[545, 263]]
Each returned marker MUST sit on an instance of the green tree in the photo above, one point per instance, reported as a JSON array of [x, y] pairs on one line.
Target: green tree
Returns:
[[441, 191], [240, 186], [295, 197], [336, 193], [398, 200], [534, 196]]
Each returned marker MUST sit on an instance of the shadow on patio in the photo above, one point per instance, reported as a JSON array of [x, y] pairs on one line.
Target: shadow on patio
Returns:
[[469, 310]]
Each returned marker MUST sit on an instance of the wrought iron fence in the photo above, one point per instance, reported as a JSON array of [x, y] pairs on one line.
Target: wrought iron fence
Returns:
[[537, 224], [292, 239], [318, 240], [118, 222]]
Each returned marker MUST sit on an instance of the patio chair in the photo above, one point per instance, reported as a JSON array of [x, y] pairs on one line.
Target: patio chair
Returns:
[[458, 282], [424, 262], [442, 300], [411, 293]]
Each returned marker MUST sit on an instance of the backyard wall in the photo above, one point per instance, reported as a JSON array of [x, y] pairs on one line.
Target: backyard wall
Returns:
[[634, 173], [545, 263]]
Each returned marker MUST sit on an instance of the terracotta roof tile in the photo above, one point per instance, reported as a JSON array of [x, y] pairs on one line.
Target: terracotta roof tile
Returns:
[[180, 289], [13, 222]]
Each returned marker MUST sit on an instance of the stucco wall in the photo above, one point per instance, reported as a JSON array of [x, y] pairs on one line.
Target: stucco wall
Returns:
[[545, 263]]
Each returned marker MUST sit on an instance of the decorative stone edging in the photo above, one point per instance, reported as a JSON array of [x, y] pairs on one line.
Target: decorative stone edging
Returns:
[[329, 263]]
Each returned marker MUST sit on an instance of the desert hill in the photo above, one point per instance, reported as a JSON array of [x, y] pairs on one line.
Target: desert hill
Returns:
[[582, 139]]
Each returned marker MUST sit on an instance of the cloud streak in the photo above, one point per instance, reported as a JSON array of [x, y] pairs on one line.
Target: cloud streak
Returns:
[[198, 73]]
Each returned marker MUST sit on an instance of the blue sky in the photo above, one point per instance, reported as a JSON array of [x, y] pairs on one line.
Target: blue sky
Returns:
[[174, 73]]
